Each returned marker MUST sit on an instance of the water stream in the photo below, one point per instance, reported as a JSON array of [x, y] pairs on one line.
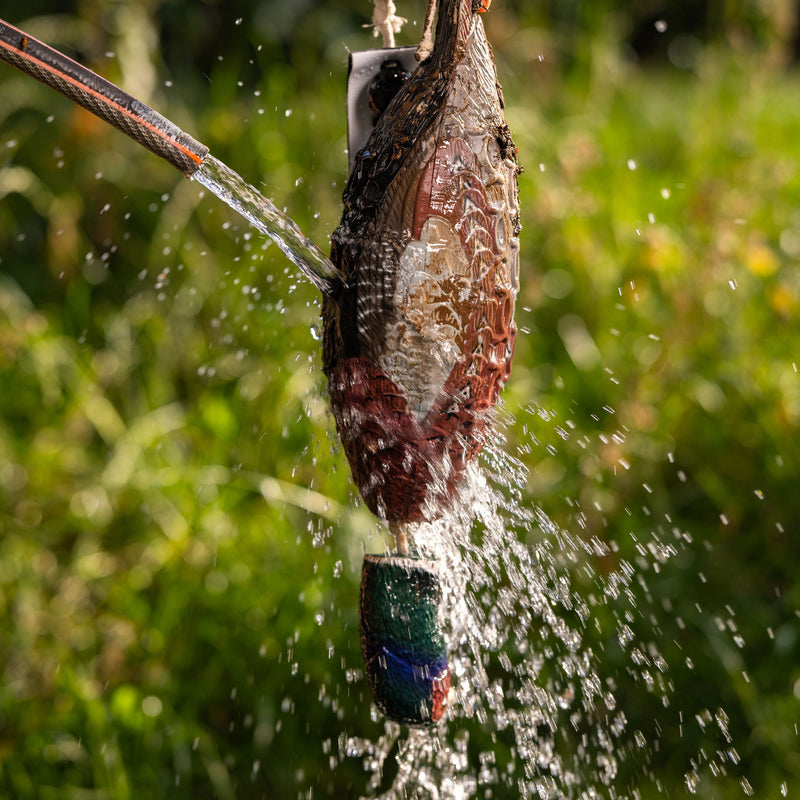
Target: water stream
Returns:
[[263, 215]]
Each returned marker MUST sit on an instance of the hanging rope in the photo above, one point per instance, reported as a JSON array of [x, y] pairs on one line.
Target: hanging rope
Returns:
[[425, 47], [385, 21]]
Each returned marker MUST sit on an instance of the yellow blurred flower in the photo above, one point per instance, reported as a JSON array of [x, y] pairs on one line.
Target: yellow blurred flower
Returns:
[[784, 299], [760, 258]]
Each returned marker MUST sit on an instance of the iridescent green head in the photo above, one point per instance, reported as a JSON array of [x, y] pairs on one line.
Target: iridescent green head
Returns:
[[401, 640]]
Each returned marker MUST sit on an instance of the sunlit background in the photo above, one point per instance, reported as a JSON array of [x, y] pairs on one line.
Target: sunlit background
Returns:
[[180, 542]]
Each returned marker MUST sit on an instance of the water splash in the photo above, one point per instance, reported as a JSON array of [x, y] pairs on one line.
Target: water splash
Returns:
[[512, 700], [538, 709], [263, 215]]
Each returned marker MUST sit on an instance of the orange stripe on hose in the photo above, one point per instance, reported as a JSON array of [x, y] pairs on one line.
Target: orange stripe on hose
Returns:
[[102, 98]]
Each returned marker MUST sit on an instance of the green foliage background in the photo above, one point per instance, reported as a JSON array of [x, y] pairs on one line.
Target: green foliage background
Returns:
[[179, 539]]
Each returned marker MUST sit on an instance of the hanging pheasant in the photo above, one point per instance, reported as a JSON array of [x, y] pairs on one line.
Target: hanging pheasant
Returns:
[[420, 335]]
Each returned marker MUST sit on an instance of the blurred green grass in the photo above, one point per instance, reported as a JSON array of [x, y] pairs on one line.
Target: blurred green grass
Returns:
[[179, 540]]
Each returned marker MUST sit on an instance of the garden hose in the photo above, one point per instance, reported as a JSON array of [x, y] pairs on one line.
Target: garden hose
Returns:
[[102, 98], [162, 137]]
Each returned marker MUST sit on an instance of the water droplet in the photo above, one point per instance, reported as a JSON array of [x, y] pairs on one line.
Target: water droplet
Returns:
[[625, 635]]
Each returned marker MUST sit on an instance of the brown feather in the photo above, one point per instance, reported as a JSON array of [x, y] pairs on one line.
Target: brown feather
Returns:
[[419, 341]]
